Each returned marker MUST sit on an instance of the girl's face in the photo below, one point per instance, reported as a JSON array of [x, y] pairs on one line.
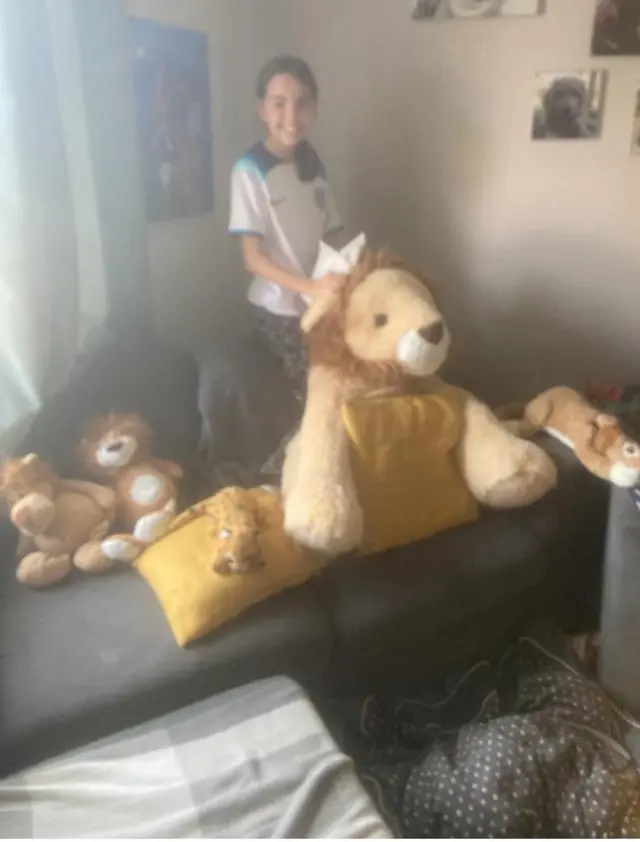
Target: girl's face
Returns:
[[289, 112]]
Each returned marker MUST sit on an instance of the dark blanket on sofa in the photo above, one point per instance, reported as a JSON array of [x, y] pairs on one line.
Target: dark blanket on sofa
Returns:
[[529, 748]]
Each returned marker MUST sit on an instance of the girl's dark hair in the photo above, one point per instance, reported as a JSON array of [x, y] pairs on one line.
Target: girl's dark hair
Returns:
[[287, 66]]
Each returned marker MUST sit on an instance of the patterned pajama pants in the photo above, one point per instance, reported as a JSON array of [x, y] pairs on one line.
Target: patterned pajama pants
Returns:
[[283, 337]]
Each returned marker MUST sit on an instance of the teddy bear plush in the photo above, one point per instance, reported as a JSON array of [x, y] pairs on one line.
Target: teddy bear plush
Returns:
[[61, 522], [117, 450], [383, 334]]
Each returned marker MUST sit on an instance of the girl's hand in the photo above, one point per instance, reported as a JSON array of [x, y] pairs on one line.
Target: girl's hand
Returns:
[[331, 282]]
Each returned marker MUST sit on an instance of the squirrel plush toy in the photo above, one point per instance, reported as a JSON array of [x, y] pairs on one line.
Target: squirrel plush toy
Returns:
[[117, 450], [61, 522]]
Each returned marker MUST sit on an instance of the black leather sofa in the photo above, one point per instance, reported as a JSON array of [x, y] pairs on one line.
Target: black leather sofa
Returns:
[[95, 654]]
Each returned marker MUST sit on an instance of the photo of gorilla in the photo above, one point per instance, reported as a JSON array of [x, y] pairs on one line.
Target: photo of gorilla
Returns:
[[635, 132], [569, 105], [616, 30], [468, 9]]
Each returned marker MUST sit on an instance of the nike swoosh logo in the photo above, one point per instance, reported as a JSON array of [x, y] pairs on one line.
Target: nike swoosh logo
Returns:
[[278, 201]]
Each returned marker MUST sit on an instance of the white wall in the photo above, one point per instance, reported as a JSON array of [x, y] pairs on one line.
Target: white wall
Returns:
[[425, 129], [197, 281]]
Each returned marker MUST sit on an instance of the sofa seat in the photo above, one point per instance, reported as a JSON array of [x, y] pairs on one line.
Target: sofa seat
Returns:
[[96, 655]]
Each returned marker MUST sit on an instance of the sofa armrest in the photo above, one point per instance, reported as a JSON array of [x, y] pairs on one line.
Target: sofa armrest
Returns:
[[620, 614]]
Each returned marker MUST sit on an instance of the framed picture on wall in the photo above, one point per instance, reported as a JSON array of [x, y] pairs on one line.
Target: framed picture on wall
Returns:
[[473, 9], [635, 132], [173, 112], [616, 28], [569, 105]]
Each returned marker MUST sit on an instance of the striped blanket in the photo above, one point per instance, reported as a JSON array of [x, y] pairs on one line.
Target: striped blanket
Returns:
[[254, 762]]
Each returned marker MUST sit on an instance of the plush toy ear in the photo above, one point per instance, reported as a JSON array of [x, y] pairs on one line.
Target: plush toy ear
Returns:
[[601, 421], [320, 307], [606, 432]]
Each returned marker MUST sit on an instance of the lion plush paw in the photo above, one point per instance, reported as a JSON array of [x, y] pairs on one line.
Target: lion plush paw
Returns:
[[90, 558], [122, 549], [531, 474], [329, 523], [151, 527], [39, 570], [501, 470]]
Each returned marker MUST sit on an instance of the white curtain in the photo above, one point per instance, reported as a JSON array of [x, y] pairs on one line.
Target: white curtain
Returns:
[[72, 231]]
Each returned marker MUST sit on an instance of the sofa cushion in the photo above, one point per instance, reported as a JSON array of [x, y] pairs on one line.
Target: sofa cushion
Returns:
[[544, 558], [410, 598], [95, 655], [155, 379], [246, 406]]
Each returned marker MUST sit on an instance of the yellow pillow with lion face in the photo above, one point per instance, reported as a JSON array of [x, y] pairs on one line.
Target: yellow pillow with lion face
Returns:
[[196, 569], [404, 466]]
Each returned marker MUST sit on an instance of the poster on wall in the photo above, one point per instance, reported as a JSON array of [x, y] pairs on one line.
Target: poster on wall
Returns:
[[173, 113], [470, 9], [616, 28], [569, 105], [635, 132]]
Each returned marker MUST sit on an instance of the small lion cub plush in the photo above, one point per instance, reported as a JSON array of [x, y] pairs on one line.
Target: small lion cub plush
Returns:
[[117, 450], [61, 522]]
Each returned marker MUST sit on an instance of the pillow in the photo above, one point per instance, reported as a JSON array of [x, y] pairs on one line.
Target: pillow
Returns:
[[403, 457], [236, 524]]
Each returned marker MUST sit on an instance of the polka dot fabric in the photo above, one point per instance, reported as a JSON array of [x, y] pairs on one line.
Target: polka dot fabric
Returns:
[[541, 754]]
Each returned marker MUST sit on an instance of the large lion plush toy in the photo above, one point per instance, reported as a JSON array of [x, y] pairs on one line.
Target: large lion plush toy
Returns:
[[383, 335]]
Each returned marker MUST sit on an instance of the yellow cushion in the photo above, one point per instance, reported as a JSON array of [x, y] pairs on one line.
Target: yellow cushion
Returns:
[[179, 567], [404, 466]]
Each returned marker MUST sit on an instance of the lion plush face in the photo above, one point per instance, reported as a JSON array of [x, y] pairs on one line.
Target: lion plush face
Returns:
[[384, 319], [623, 452], [391, 316], [112, 443]]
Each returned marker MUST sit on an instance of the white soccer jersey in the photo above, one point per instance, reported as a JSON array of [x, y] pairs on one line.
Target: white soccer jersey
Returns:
[[288, 204]]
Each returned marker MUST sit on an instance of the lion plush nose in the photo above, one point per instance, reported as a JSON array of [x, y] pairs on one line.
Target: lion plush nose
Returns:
[[115, 447], [433, 333]]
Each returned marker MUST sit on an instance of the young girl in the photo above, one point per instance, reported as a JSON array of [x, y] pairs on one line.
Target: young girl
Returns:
[[281, 208]]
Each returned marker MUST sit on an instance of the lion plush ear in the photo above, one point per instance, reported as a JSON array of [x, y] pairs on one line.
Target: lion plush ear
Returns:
[[330, 260], [607, 431], [603, 420]]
